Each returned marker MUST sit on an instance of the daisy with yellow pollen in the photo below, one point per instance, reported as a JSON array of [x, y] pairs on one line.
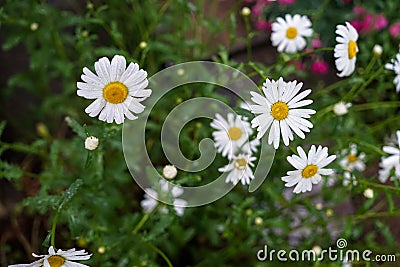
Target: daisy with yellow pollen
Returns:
[[352, 160], [239, 169], [279, 111], [346, 50], [288, 34], [61, 258], [230, 135], [309, 168], [118, 90]]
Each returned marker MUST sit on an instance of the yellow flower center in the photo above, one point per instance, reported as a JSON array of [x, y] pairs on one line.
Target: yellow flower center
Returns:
[[352, 49], [352, 158], [235, 133], [309, 171], [279, 110], [56, 261], [240, 164], [115, 92], [291, 33]]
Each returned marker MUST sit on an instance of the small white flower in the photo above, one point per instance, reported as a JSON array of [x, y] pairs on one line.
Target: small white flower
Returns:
[[394, 65], [61, 258], [391, 162], [239, 169], [118, 90], [346, 50], [34, 26], [152, 197], [309, 168], [341, 108], [377, 50], [169, 171], [279, 111], [349, 178], [91, 143], [352, 160], [143, 45], [231, 134], [288, 34], [369, 193]]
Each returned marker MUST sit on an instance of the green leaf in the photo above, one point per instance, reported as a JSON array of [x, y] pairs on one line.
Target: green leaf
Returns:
[[76, 127], [70, 192], [2, 126], [10, 171]]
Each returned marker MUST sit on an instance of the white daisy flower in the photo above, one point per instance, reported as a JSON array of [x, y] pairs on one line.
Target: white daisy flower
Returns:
[[309, 168], [239, 169], [279, 110], [118, 90], [61, 258], [391, 162], [394, 65], [352, 160], [288, 34], [151, 197], [231, 134], [349, 178], [346, 50]]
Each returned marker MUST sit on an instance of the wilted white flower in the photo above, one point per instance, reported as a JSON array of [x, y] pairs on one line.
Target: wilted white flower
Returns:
[[352, 160], [61, 258], [341, 108], [151, 198], [349, 178], [91, 143], [239, 169]]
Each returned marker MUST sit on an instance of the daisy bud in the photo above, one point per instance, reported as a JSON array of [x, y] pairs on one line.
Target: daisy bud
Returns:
[[318, 206], [246, 11], [377, 50], [101, 250], [169, 171], [91, 143], [329, 212], [34, 26], [341, 108], [85, 33], [180, 72], [317, 249], [143, 45], [258, 220], [369, 193], [249, 212]]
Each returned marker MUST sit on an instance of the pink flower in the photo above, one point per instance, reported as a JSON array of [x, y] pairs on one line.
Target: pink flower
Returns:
[[358, 10], [316, 43], [319, 66], [263, 25], [394, 29], [298, 64], [358, 25], [256, 10], [287, 2], [380, 22], [367, 23]]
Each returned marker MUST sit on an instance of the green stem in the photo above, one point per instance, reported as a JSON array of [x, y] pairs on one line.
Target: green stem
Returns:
[[53, 228], [141, 223], [248, 37], [380, 105], [162, 254], [318, 50], [330, 88]]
